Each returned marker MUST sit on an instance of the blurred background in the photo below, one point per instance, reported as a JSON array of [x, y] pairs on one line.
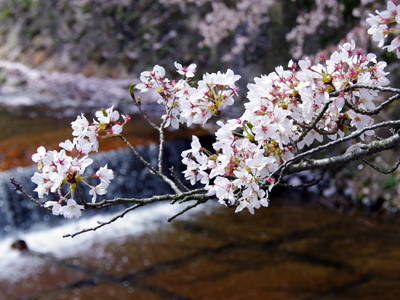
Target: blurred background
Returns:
[[338, 240]]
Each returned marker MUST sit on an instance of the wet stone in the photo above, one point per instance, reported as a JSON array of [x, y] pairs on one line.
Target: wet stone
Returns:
[[19, 245]]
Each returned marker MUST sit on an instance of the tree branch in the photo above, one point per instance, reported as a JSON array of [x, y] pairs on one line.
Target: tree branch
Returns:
[[307, 184], [370, 87], [376, 110], [178, 180], [376, 168], [139, 107], [200, 193], [351, 136], [198, 202], [19, 188], [101, 224], [151, 168], [373, 147]]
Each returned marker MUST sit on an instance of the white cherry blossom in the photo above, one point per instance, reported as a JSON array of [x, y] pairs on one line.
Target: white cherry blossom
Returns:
[[71, 210]]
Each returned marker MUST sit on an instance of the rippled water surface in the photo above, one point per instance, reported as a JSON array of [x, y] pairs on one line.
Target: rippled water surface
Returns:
[[290, 250]]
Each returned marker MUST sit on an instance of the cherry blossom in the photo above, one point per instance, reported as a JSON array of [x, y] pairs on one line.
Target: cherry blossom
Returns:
[[67, 167], [56, 207], [380, 28], [287, 110], [71, 210], [41, 152], [282, 105], [105, 175], [100, 189], [187, 71]]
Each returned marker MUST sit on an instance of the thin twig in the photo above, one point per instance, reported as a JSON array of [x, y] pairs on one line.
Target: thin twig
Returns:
[[368, 150], [178, 180], [370, 87], [151, 168], [137, 103], [307, 184], [376, 110], [380, 170], [162, 139], [315, 122], [358, 110], [19, 188], [134, 151], [101, 224], [198, 202], [81, 197], [197, 194]]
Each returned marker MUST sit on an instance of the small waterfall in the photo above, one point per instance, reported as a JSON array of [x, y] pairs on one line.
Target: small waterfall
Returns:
[[131, 179]]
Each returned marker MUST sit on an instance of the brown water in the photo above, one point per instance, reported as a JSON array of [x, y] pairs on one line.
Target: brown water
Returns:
[[290, 250], [24, 129]]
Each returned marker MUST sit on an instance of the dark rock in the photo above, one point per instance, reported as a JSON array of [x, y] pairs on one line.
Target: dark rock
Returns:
[[20, 245]]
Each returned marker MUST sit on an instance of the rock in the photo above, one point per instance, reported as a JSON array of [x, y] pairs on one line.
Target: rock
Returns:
[[20, 245]]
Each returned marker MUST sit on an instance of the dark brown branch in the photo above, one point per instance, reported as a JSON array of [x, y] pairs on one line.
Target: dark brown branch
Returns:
[[178, 180], [374, 111], [84, 203], [151, 168], [198, 202], [315, 122], [200, 193], [162, 138], [380, 170], [19, 188], [370, 87], [101, 224], [139, 107], [307, 184]]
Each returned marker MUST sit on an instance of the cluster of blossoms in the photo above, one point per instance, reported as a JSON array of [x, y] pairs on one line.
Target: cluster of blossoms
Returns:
[[287, 110], [67, 166], [380, 26], [183, 102], [329, 12]]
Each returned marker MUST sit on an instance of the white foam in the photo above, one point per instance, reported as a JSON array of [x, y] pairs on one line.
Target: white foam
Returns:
[[15, 265]]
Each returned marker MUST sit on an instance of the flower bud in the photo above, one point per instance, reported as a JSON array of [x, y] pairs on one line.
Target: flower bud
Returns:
[[327, 78], [330, 88], [131, 88]]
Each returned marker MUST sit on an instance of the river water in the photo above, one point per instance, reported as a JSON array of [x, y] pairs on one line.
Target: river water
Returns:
[[290, 250]]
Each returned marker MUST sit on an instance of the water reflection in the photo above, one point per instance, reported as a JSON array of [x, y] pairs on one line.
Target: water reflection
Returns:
[[25, 128], [290, 250]]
